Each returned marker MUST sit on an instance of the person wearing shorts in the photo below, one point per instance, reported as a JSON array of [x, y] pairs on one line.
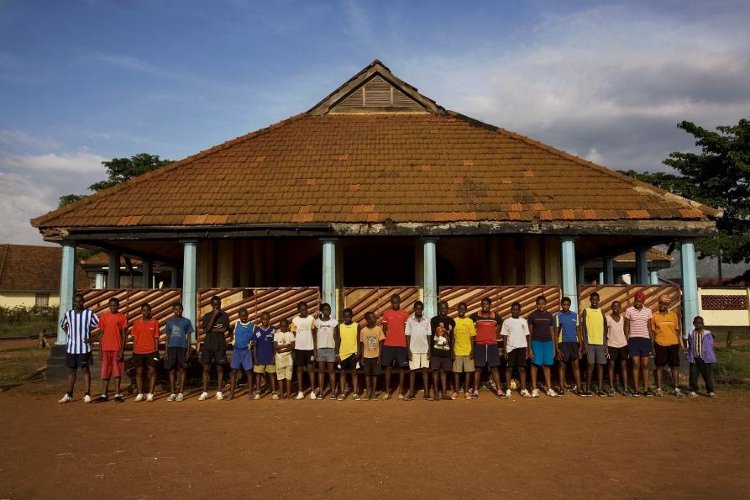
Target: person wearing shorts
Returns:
[[570, 345], [113, 326], [178, 331], [486, 350], [617, 349], [463, 355], [214, 326], [242, 355], [326, 350], [543, 346], [77, 324], [667, 344], [283, 341], [440, 353], [395, 353], [263, 354], [145, 334], [595, 342], [348, 353], [418, 343], [372, 339], [640, 335], [303, 326], [515, 331]]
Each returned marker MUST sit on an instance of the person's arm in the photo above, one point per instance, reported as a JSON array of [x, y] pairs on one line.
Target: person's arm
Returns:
[[123, 331], [584, 332], [651, 329], [504, 331], [529, 350], [626, 326], [554, 340], [604, 332], [359, 344], [680, 341], [337, 341], [166, 341], [579, 338], [380, 351]]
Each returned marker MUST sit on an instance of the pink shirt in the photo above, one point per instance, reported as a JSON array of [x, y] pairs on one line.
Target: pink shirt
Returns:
[[616, 332], [639, 321]]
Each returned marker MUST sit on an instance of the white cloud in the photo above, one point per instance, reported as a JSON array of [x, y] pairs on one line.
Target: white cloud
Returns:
[[81, 162], [20, 200]]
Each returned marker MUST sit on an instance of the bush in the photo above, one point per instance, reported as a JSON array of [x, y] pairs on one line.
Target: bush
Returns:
[[20, 314]]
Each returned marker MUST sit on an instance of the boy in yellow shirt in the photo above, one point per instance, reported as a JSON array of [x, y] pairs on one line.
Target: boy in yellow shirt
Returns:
[[463, 352]]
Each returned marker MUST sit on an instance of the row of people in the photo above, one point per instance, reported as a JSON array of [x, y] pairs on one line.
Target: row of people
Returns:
[[407, 343]]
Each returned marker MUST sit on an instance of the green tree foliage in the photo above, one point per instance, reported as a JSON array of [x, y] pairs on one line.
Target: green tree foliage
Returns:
[[120, 170], [718, 176]]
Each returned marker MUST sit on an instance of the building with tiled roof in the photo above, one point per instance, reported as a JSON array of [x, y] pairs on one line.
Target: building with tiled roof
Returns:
[[379, 185]]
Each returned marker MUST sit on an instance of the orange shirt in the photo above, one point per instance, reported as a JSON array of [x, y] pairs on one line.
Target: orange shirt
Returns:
[[665, 328], [146, 334], [112, 325]]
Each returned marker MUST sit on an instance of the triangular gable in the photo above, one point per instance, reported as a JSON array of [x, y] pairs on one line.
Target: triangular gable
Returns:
[[376, 89]]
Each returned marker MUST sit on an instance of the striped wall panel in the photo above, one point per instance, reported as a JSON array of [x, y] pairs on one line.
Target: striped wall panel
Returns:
[[626, 293], [502, 297], [377, 299]]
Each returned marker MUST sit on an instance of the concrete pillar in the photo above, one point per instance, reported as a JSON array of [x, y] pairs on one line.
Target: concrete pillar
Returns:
[[608, 264], [190, 280], [339, 280], [430, 287], [328, 287], [641, 266], [147, 273], [552, 267], [601, 278], [113, 271], [67, 286], [226, 263], [569, 285], [100, 281], [533, 260], [689, 285], [654, 277]]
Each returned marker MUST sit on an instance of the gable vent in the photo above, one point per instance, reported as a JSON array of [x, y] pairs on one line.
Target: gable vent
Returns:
[[377, 94]]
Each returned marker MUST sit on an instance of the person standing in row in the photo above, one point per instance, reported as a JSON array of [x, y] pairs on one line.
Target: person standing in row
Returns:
[[348, 353], [570, 345], [701, 357], [242, 356], [617, 349], [303, 326], [114, 326], [372, 338], [515, 331], [326, 350], [418, 343], [214, 326], [442, 327], [639, 331], [177, 346], [543, 346], [595, 341], [263, 354], [145, 334], [283, 341], [463, 355], [77, 324], [486, 348], [395, 352], [667, 344]]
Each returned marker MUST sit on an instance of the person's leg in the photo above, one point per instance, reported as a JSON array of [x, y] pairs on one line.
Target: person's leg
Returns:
[[456, 380], [659, 373], [561, 374], [369, 383], [477, 374], [219, 377], [577, 374], [331, 377], [675, 371], [589, 374], [250, 380], [86, 379], [321, 377], [693, 376], [232, 382], [644, 372], [355, 381], [388, 371], [401, 375], [72, 372], [636, 371], [105, 386], [600, 376], [151, 379], [611, 369], [311, 378], [412, 378], [300, 387], [547, 377], [206, 374], [288, 383], [183, 373], [425, 380], [118, 383], [624, 374], [495, 371], [533, 376], [708, 376], [508, 375], [342, 380], [139, 379], [272, 377], [172, 379], [522, 377]]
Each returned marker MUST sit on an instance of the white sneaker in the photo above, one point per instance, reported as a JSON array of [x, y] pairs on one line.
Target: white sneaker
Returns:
[[65, 399], [203, 396], [138, 398], [711, 394], [551, 393], [507, 393], [149, 397], [659, 392], [300, 395], [535, 393], [87, 399], [678, 392], [312, 395], [172, 397], [692, 394], [525, 393], [219, 396], [180, 397]]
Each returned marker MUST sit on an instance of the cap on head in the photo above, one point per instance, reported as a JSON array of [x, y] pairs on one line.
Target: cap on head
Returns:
[[640, 296], [665, 299]]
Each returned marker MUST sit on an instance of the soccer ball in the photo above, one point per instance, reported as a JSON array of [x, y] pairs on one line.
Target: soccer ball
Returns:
[[513, 384]]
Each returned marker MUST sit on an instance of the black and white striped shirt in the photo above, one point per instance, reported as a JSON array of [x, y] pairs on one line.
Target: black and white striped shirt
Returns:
[[79, 329]]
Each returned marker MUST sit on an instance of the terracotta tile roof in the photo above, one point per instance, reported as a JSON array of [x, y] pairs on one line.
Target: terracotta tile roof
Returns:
[[31, 268], [359, 167], [652, 256], [100, 259]]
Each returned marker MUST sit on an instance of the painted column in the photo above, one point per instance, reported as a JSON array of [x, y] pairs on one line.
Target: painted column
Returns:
[[190, 280], [430, 276], [580, 274], [608, 264], [689, 285], [100, 281], [641, 266], [113, 271], [601, 278], [569, 286], [329, 274], [67, 286], [147, 273], [654, 277]]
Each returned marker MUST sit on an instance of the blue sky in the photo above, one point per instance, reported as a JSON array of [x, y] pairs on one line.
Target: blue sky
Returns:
[[84, 81]]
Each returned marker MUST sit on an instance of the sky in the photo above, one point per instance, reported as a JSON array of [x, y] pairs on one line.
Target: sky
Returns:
[[86, 81]]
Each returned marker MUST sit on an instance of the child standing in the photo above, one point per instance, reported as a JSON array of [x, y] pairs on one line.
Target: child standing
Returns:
[[347, 349], [326, 352], [570, 344], [263, 353], [463, 355], [113, 325], [486, 348], [304, 349], [418, 342], [595, 340], [371, 337], [515, 330], [667, 344], [701, 357], [440, 358], [77, 324], [543, 346], [145, 351], [178, 330], [214, 325], [395, 351], [284, 341], [242, 357], [617, 349]]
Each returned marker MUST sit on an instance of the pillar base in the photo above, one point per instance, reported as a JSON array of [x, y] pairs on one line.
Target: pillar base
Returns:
[[56, 369]]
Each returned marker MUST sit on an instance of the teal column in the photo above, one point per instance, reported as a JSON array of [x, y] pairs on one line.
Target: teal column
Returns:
[[609, 270], [653, 277], [190, 280], [429, 277], [641, 266], [328, 285], [569, 286], [67, 286], [601, 277], [689, 285]]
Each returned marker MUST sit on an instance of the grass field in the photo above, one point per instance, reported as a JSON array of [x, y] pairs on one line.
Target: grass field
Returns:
[[27, 328]]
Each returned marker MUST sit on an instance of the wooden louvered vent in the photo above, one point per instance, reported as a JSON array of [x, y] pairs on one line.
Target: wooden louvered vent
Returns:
[[377, 93]]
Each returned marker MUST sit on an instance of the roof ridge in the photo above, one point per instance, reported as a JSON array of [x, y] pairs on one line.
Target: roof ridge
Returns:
[[38, 221], [710, 211]]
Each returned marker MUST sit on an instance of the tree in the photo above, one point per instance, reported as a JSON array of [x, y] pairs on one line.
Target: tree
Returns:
[[718, 176], [120, 170]]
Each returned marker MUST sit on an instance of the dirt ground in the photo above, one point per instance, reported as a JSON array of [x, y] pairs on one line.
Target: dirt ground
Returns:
[[566, 447]]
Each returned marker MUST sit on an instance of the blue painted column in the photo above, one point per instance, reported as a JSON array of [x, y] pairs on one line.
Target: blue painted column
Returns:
[[190, 280], [608, 264], [601, 277], [653, 277], [689, 285], [569, 283], [67, 286], [429, 277], [641, 266], [328, 286]]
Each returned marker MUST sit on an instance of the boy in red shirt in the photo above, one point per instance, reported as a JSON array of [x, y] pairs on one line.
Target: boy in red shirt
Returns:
[[145, 333], [113, 326], [394, 347]]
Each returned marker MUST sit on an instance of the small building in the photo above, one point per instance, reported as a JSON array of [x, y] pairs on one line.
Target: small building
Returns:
[[379, 185]]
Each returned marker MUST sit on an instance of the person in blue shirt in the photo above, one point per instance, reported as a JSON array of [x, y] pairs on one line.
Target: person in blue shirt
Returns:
[[178, 331], [242, 358], [263, 354], [570, 344]]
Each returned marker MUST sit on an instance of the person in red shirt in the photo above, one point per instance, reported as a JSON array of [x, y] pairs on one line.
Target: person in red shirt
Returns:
[[113, 326], [145, 333], [394, 347], [486, 348]]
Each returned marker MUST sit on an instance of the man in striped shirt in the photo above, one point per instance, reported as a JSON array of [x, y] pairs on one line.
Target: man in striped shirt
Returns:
[[78, 323]]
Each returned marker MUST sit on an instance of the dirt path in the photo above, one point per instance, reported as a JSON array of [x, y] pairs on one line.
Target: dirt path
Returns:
[[486, 448]]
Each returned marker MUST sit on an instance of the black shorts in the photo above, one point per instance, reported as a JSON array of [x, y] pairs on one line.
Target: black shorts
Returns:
[[74, 361], [349, 363], [517, 358], [143, 360], [175, 358], [370, 366], [211, 357], [486, 355], [569, 351], [667, 355], [395, 355], [444, 363], [618, 353], [302, 358]]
